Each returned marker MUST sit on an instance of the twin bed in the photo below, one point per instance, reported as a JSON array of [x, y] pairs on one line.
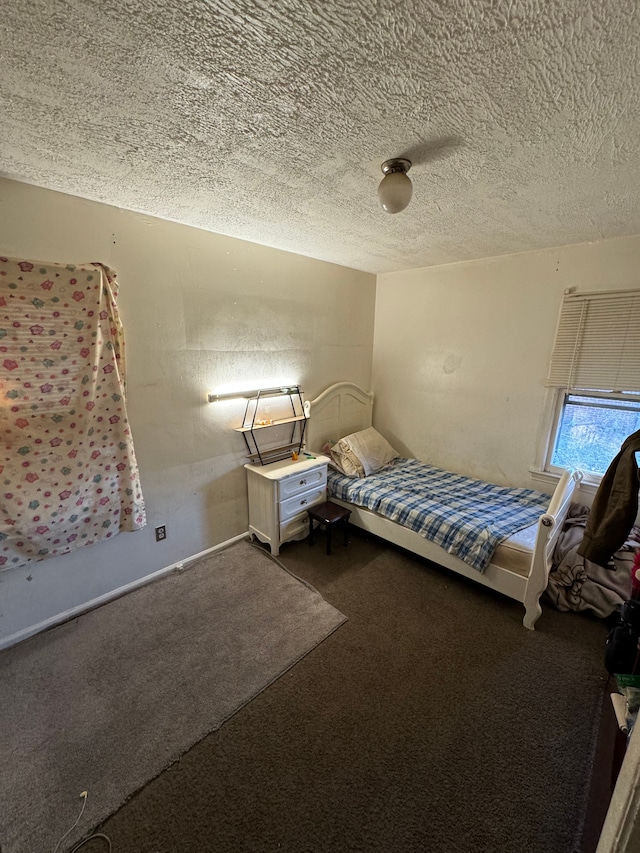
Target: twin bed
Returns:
[[510, 551]]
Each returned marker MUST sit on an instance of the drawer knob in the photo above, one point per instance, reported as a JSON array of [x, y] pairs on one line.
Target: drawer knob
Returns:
[[302, 503], [303, 482]]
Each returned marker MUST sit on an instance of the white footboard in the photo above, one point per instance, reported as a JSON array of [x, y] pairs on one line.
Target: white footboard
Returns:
[[549, 528]]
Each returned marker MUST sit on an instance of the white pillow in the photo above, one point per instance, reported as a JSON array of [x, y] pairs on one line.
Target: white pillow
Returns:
[[346, 462], [362, 453]]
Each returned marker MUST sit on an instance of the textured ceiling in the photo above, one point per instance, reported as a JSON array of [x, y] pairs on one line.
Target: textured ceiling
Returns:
[[269, 119]]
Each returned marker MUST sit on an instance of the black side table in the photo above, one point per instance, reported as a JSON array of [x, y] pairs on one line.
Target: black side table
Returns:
[[329, 514]]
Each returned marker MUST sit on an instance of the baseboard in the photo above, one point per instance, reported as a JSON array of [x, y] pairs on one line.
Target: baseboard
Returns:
[[59, 618]]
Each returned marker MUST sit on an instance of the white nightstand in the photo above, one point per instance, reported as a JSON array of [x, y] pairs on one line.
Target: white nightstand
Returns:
[[280, 494]]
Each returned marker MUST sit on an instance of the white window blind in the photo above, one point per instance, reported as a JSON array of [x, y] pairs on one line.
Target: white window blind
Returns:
[[597, 344]]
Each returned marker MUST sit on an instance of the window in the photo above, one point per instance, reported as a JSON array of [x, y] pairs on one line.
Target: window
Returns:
[[595, 374], [69, 471], [590, 430]]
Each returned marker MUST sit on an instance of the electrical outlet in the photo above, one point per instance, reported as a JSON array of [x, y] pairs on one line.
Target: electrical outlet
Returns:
[[161, 532]]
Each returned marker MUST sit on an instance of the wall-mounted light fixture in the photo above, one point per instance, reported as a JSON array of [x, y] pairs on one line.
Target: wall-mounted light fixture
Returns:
[[247, 395], [395, 189]]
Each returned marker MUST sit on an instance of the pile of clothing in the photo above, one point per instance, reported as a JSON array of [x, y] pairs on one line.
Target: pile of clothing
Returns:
[[576, 582], [594, 554]]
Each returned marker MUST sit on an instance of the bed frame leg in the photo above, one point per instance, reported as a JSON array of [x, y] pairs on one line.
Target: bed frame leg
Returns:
[[532, 613]]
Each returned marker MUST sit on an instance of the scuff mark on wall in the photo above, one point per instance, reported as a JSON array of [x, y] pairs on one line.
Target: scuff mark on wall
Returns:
[[451, 363]]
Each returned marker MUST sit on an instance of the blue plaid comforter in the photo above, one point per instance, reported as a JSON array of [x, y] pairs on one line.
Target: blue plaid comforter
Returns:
[[468, 518]]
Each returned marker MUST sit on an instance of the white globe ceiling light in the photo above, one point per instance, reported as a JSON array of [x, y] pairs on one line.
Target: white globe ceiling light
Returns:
[[395, 188]]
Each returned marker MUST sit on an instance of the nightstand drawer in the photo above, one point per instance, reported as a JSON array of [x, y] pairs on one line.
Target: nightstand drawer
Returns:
[[292, 506], [295, 484], [295, 528]]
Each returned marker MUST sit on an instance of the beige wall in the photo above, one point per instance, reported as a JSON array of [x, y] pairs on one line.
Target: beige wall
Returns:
[[461, 352], [200, 311]]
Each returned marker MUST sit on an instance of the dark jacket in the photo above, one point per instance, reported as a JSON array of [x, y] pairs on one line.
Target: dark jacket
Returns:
[[615, 505]]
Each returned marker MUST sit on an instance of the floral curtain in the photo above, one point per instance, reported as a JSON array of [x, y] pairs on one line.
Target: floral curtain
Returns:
[[68, 471]]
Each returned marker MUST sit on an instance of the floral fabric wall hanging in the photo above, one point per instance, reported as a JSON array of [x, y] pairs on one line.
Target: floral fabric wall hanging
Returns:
[[68, 471]]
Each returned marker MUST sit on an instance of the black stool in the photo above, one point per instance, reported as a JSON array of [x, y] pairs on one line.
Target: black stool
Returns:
[[329, 514]]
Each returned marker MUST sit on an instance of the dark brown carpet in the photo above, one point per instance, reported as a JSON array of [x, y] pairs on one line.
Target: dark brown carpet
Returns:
[[432, 721]]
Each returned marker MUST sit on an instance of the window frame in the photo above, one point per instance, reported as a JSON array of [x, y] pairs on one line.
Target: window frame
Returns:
[[554, 422]]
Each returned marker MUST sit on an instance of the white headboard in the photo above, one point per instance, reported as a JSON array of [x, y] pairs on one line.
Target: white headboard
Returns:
[[341, 409]]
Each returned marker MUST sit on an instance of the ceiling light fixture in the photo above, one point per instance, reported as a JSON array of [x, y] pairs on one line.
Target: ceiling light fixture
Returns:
[[395, 188]]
